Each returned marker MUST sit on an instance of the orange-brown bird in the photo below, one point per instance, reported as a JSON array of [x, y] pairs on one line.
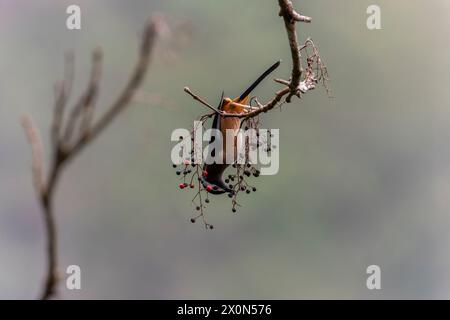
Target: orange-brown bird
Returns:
[[212, 178]]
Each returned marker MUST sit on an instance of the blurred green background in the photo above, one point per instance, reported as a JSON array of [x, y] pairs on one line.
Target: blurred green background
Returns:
[[364, 177]]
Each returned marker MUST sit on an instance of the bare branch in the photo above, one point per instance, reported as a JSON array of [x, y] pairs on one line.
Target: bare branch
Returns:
[[124, 98], [37, 153], [286, 8], [289, 16], [92, 94], [301, 80], [62, 91], [63, 150], [84, 106], [196, 97], [247, 115], [282, 81]]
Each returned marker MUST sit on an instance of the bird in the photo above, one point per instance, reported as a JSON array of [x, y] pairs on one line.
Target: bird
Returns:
[[212, 176]]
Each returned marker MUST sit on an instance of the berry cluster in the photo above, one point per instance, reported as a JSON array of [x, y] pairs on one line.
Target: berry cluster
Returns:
[[191, 174]]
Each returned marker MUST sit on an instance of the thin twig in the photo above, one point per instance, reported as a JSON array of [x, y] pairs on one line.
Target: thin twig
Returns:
[[62, 91], [37, 153], [196, 97], [86, 102]]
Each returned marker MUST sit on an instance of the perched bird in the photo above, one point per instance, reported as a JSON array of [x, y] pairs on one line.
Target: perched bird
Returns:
[[212, 177]]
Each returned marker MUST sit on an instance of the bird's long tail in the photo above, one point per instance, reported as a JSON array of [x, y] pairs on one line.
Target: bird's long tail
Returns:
[[258, 81]]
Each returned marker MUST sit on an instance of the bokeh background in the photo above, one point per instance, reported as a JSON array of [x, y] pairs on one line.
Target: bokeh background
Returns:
[[364, 177]]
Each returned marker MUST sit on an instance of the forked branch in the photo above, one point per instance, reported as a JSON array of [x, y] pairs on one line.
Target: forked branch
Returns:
[[70, 136], [303, 78]]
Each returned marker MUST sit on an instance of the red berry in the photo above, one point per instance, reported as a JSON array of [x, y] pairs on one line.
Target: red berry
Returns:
[[209, 188], [181, 185], [205, 173], [192, 186]]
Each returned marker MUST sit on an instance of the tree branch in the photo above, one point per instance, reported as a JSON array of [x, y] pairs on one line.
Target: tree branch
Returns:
[[64, 149], [301, 81], [290, 17]]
